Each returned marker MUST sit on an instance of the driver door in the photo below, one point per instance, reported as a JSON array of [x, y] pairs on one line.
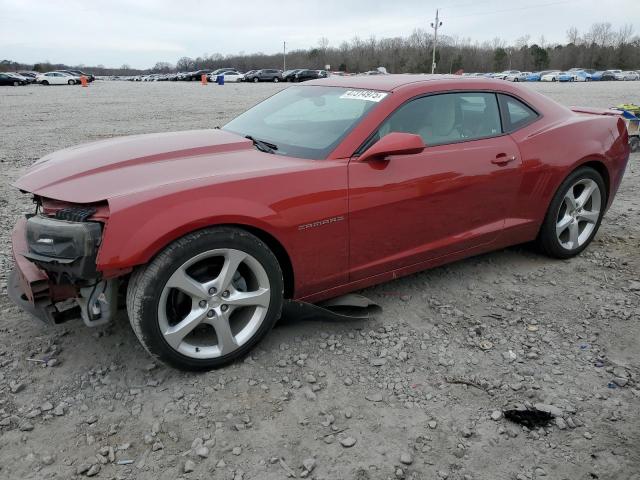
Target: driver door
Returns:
[[453, 196]]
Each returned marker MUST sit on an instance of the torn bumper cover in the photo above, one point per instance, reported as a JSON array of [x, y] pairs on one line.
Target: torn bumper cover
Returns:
[[55, 276], [28, 285]]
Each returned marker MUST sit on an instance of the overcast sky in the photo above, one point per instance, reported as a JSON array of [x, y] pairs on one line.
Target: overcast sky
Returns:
[[141, 32]]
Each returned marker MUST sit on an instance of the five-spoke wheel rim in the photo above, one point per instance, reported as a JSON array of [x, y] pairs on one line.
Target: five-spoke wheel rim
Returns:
[[214, 303], [578, 214]]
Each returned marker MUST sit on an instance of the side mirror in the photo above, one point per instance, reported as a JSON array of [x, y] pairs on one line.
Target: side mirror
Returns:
[[395, 143]]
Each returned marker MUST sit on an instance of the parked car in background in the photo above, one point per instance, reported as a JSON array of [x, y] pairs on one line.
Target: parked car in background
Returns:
[[248, 75], [517, 77], [304, 75], [229, 76], [551, 76], [533, 77], [57, 78], [610, 75], [265, 75], [630, 75], [218, 71], [580, 75], [12, 79], [79, 73], [195, 76], [30, 76], [505, 74], [597, 76], [590, 71], [289, 75], [566, 77]]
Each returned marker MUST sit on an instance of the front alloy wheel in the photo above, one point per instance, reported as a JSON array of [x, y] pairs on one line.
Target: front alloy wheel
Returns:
[[208, 308], [207, 299]]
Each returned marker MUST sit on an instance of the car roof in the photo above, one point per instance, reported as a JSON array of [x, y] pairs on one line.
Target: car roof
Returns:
[[392, 82]]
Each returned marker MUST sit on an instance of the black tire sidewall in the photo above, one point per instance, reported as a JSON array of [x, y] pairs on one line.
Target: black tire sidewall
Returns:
[[149, 289], [548, 239]]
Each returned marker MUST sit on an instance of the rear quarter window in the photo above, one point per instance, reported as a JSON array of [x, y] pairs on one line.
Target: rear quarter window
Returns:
[[515, 113]]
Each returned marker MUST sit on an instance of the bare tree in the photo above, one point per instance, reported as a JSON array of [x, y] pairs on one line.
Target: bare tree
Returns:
[[573, 36]]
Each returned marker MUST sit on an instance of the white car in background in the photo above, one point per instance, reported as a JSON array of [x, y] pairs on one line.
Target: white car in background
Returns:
[[505, 74], [57, 78], [630, 75], [551, 76], [229, 76], [517, 77]]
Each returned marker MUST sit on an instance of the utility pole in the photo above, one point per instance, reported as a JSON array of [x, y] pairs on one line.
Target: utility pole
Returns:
[[435, 26], [284, 56]]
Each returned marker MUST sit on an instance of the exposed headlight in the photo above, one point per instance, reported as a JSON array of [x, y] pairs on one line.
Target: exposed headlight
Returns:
[[61, 239]]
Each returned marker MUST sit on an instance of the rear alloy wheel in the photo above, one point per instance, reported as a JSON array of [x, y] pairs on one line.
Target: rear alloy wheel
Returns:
[[276, 79], [207, 299], [71, 82], [16, 84], [256, 80], [574, 215]]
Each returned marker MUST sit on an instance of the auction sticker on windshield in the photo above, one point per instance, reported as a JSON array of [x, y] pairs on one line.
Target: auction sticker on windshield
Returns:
[[369, 95]]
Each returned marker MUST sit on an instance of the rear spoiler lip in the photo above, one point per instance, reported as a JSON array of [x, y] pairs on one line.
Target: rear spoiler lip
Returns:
[[596, 111]]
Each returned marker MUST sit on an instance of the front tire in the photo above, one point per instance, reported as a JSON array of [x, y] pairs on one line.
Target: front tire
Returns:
[[71, 82], [574, 216], [276, 79], [45, 82], [207, 299], [256, 80]]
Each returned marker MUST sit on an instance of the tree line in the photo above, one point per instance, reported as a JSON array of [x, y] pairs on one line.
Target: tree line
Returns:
[[601, 47]]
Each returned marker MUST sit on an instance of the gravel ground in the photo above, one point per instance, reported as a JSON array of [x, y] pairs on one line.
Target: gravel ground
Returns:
[[416, 392]]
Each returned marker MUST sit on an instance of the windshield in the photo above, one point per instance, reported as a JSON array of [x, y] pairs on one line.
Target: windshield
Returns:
[[306, 121]]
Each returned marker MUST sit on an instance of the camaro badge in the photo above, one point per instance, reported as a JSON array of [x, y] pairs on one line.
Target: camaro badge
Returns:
[[320, 223]]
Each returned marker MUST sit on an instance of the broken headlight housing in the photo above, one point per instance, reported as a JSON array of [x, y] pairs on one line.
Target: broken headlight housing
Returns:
[[63, 246]]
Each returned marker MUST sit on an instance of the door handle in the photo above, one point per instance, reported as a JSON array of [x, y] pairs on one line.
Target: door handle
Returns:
[[502, 159]]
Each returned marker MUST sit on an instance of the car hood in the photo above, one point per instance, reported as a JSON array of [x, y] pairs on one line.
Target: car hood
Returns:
[[101, 170]]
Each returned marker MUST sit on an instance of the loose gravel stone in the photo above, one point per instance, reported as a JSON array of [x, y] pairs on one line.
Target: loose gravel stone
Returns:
[[189, 466], [406, 458], [347, 442]]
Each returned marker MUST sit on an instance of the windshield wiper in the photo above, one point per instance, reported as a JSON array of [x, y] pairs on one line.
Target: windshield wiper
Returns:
[[263, 146]]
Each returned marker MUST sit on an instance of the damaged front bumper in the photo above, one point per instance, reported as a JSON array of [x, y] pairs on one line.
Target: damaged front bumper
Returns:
[[55, 277]]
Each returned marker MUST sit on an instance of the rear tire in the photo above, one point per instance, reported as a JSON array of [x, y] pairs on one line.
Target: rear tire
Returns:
[[71, 82], [574, 215], [256, 80], [44, 82], [221, 284], [275, 80], [15, 84]]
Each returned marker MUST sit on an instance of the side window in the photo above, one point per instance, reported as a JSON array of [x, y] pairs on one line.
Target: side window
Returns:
[[515, 114], [447, 118]]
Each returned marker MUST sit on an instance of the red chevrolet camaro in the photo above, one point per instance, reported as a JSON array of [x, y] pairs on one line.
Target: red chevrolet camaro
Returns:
[[317, 191]]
